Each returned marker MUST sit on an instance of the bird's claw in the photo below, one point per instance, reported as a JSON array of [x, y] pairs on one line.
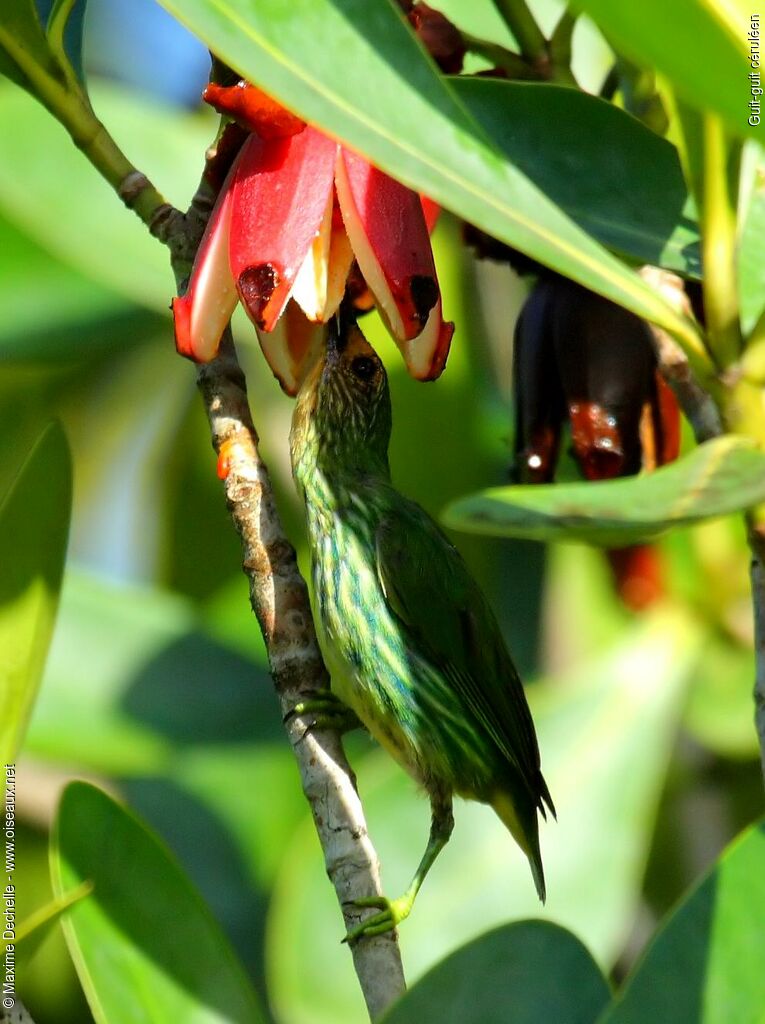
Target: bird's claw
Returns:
[[326, 711], [392, 913]]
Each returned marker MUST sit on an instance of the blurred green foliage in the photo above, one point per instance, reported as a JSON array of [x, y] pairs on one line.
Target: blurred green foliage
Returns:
[[156, 683]]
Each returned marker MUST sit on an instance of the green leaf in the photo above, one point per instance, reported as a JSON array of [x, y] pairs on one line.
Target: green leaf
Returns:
[[751, 249], [141, 643], [702, 47], [706, 963], [34, 929], [606, 733], [64, 28], [65, 205], [721, 476], [46, 304], [144, 944], [22, 43], [355, 69], [34, 526], [525, 973], [617, 179]]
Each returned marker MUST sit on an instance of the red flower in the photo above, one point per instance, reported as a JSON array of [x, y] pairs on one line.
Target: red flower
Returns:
[[294, 211]]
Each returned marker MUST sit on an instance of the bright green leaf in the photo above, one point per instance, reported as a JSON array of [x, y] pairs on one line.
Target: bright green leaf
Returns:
[[144, 944], [721, 476], [64, 204], [34, 526], [705, 964], [615, 178], [701, 46], [526, 973], [354, 68], [22, 42], [751, 249], [606, 733]]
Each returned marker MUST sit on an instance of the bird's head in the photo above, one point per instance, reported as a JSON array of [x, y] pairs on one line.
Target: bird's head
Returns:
[[343, 412]]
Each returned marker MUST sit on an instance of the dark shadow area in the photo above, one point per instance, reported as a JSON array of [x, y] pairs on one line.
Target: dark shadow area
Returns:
[[197, 691]]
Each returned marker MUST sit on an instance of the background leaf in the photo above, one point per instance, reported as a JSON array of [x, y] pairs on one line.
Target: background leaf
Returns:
[[751, 249], [144, 944], [65, 21], [65, 205], [385, 99], [526, 973], [614, 177], [41, 298], [721, 476], [34, 526], [20, 29], [705, 963], [702, 47]]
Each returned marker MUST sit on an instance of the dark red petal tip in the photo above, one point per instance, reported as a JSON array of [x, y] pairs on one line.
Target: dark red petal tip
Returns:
[[256, 287]]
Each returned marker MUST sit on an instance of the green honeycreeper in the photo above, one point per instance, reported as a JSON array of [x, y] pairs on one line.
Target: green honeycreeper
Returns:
[[411, 643]]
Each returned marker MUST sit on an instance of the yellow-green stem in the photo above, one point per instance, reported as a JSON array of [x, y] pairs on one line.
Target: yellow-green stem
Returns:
[[527, 33], [719, 242]]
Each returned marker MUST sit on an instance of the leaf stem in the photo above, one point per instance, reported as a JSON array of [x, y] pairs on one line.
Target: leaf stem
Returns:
[[719, 189], [515, 66], [526, 32]]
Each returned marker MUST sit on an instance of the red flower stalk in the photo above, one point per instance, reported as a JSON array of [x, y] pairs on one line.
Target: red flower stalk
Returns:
[[293, 212]]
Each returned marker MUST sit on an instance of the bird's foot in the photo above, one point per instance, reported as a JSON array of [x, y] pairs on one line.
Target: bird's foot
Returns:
[[326, 711], [392, 913]]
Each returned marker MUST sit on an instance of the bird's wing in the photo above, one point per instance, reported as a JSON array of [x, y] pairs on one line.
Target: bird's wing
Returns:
[[429, 589]]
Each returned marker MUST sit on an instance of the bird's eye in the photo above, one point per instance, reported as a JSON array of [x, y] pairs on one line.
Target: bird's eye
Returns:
[[363, 367]]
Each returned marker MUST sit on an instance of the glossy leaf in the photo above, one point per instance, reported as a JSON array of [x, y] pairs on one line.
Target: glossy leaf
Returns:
[[711, 71], [22, 42], [617, 179], [64, 204], [719, 477], [705, 963], [34, 526], [144, 944], [385, 99], [605, 733], [526, 973]]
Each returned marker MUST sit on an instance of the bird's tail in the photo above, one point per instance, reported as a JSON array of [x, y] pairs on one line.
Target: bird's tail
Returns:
[[520, 817]]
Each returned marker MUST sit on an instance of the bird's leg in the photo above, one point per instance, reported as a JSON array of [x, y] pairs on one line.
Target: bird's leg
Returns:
[[327, 711], [393, 912]]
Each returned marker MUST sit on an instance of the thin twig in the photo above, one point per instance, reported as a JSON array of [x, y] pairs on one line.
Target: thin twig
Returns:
[[697, 404], [757, 576]]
